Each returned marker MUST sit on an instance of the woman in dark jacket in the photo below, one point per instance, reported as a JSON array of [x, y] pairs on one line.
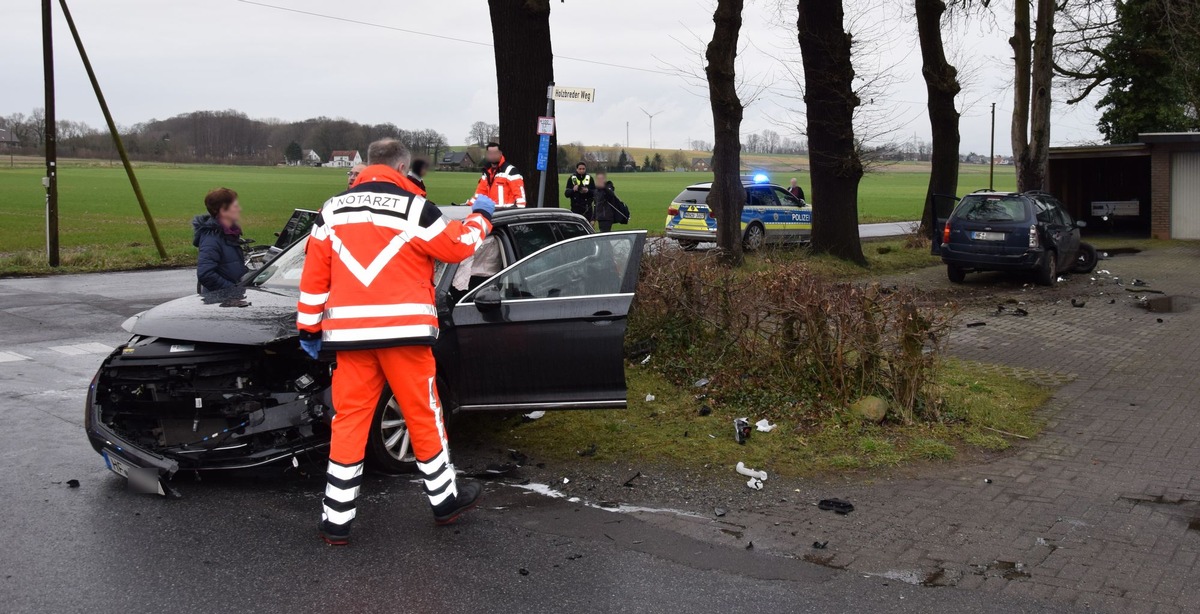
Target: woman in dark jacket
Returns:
[[609, 208], [221, 263]]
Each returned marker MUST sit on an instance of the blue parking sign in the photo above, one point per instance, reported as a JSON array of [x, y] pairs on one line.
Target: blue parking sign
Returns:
[[543, 152]]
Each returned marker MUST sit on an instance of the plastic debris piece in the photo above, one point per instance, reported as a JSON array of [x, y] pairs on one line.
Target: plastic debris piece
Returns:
[[750, 473], [518, 457], [589, 451], [750, 546], [1020, 312], [702, 382], [741, 430], [976, 324], [704, 410], [754, 484], [646, 359], [566, 480], [1078, 304], [1103, 272], [629, 482], [837, 506], [764, 426], [533, 415], [719, 512], [987, 480], [1061, 279], [1041, 541], [72, 483], [820, 545], [523, 571], [650, 398], [1140, 282]]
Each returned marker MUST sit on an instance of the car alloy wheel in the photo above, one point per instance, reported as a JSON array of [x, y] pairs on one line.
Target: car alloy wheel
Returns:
[[754, 238], [394, 433]]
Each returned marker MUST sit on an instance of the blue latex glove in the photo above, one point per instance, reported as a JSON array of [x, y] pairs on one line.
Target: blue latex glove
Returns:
[[484, 205], [312, 347]]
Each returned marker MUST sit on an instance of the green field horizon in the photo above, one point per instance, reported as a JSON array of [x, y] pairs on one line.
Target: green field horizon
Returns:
[[98, 211]]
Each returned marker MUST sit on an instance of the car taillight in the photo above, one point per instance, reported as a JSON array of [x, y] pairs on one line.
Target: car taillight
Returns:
[[1033, 237], [673, 209], [946, 233], [712, 215]]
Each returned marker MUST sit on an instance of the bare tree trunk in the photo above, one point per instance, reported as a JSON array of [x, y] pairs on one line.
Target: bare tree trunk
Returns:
[[941, 83], [524, 69], [728, 196], [1034, 176], [1034, 64], [830, 101]]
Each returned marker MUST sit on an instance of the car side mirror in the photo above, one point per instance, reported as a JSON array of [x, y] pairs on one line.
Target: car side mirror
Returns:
[[1081, 223], [488, 299]]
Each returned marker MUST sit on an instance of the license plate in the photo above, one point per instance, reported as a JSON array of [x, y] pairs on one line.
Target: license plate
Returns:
[[117, 465], [987, 236], [694, 215]]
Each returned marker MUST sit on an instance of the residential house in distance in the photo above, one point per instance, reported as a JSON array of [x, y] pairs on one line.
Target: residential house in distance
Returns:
[[702, 164], [7, 139], [457, 161], [310, 158], [344, 158]]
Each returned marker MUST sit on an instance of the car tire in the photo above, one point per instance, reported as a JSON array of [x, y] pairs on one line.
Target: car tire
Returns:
[[688, 245], [1085, 259], [389, 449], [956, 273], [754, 238], [1047, 272]]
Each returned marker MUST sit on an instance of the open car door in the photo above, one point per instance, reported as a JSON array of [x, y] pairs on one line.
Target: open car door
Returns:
[[548, 331], [943, 206]]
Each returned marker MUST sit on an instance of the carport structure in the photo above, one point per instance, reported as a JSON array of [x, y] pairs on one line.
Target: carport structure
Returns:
[[1149, 188]]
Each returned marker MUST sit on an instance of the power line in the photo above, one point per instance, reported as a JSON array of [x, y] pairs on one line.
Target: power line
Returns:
[[372, 24]]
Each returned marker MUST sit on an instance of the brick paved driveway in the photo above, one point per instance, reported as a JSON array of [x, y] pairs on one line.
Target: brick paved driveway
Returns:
[[1101, 511]]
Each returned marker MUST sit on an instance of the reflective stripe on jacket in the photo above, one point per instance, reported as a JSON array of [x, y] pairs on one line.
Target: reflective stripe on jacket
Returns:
[[503, 184], [368, 273]]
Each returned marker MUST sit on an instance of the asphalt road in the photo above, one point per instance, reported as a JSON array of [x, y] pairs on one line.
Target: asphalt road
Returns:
[[248, 542]]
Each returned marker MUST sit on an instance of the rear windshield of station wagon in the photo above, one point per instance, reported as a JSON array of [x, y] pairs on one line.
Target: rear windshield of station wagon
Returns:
[[991, 209], [690, 196]]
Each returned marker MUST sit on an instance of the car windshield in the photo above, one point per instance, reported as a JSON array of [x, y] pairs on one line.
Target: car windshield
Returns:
[[692, 196], [284, 272], [991, 209]]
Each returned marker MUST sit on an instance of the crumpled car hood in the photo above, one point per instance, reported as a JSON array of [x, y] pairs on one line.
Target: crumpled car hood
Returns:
[[237, 316]]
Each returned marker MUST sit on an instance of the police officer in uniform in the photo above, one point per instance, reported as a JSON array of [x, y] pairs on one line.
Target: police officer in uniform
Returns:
[[580, 192]]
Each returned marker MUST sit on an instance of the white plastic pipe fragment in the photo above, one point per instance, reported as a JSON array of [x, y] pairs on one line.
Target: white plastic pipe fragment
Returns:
[[750, 473]]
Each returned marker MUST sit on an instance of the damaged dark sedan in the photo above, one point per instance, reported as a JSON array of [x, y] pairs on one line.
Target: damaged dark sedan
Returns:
[[218, 381]]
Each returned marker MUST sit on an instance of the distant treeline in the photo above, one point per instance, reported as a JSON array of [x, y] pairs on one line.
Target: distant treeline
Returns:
[[220, 137]]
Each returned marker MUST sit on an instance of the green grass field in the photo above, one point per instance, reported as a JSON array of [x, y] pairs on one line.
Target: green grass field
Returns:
[[101, 225]]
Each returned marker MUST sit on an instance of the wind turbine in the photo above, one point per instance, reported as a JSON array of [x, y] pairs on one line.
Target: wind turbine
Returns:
[[651, 116]]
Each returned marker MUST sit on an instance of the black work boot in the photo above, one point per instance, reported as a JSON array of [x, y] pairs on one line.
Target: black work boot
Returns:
[[449, 510], [338, 509], [333, 534]]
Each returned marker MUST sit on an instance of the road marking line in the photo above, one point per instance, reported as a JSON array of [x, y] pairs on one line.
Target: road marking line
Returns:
[[82, 348], [12, 357], [69, 350]]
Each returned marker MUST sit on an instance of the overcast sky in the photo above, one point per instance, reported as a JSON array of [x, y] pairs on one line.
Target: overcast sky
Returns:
[[155, 59]]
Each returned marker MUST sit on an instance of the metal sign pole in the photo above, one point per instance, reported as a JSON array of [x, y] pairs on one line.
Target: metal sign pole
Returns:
[[542, 174]]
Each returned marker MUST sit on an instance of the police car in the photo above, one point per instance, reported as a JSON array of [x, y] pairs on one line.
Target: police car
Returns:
[[771, 215]]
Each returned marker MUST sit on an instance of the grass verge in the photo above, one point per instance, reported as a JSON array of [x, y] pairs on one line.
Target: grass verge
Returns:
[[670, 430]]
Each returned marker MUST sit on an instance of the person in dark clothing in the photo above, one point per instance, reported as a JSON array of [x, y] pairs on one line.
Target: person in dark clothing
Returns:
[[417, 172], [221, 263], [609, 208], [796, 190], [579, 191]]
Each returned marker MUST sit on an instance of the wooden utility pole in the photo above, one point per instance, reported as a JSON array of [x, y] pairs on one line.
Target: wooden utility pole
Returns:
[[51, 180], [112, 127]]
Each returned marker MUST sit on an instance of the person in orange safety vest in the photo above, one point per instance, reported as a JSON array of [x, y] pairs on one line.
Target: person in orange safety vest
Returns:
[[501, 181], [367, 293]]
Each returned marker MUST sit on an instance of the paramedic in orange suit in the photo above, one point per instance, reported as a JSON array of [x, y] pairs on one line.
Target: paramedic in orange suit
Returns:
[[367, 293]]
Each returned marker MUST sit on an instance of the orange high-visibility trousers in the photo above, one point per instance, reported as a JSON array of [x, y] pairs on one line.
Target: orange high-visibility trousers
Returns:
[[358, 382]]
